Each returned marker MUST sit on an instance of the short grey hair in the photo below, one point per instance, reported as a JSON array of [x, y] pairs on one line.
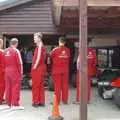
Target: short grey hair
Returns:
[[39, 34], [13, 41]]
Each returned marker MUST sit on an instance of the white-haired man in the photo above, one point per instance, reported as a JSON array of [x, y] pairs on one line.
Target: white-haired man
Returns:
[[38, 72]]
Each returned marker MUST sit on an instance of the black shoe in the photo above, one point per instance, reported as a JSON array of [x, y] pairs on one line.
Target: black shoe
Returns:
[[4, 102], [41, 104], [65, 103], [76, 102], [35, 105], [52, 103]]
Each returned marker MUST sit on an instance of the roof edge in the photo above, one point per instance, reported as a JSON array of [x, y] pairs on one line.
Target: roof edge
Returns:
[[13, 4]]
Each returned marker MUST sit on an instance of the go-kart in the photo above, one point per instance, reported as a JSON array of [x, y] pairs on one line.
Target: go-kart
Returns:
[[109, 85]]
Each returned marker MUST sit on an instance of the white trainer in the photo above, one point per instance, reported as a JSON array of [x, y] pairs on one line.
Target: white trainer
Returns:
[[4, 107], [17, 107]]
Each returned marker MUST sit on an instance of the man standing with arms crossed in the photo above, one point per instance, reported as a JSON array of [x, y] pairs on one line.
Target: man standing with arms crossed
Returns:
[[38, 72], [60, 57], [13, 74]]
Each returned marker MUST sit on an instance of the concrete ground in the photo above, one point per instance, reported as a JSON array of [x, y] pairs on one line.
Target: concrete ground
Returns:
[[98, 109]]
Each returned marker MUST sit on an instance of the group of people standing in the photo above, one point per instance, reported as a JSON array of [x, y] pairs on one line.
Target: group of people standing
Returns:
[[59, 58], [11, 70]]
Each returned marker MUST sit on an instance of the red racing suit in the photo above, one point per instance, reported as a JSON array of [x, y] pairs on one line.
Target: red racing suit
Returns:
[[38, 75], [13, 75], [60, 57], [2, 81], [91, 70]]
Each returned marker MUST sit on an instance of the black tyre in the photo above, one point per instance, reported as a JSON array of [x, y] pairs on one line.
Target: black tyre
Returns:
[[116, 97], [50, 84], [108, 75], [101, 91]]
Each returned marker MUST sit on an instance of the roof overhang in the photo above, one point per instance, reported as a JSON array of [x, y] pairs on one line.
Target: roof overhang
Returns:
[[89, 2], [12, 3], [61, 7]]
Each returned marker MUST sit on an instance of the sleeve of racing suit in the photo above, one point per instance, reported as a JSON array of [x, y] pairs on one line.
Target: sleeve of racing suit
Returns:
[[19, 61], [69, 55], [95, 58], [3, 61], [52, 53], [38, 55], [78, 62]]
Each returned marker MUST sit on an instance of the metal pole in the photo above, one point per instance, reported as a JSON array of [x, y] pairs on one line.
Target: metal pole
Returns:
[[83, 58]]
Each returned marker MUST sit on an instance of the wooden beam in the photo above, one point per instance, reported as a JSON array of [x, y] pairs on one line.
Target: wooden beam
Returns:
[[103, 3], [83, 58], [109, 12], [58, 15], [89, 2], [63, 7], [57, 12], [65, 2]]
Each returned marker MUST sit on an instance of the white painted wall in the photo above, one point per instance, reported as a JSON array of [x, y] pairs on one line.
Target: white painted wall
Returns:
[[105, 40]]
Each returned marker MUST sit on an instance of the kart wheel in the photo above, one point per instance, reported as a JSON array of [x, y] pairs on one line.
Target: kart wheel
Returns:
[[116, 97], [101, 91], [105, 92]]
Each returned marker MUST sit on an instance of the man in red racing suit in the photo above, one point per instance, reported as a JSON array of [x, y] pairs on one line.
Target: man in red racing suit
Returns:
[[60, 57], [91, 62], [38, 72]]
